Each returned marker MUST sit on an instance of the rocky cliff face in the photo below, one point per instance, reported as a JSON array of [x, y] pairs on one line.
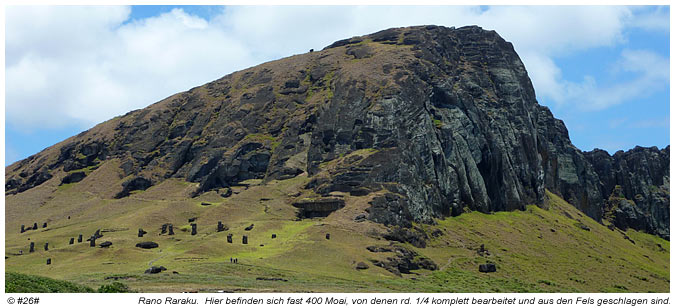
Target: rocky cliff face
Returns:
[[635, 185], [435, 121]]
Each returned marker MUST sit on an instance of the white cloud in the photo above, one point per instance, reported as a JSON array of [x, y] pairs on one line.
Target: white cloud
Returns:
[[84, 65]]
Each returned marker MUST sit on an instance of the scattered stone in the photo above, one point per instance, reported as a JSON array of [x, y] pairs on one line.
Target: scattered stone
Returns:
[[194, 229], [436, 233], [49, 261], [271, 279], [147, 245], [274, 235], [328, 236], [414, 236], [360, 218], [362, 266], [583, 227], [487, 268], [221, 227], [72, 241], [552, 230], [378, 249], [141, 232], [404, 261], [32, 247], [244, 239], [249, 228], [227, 193], [482, 251], [105, 244], [79, 238], [229, 238], [171, 230], [155, 269]]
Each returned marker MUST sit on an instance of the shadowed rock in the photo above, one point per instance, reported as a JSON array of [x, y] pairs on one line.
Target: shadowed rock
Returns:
[[73, 177], [274, 235], [487, 268], [105, 244], [141, 232], [249, 228], [147, 245], [155, 270], [362, 266], [318, 207]]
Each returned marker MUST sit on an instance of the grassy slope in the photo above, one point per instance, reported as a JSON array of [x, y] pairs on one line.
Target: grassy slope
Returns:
[[529, 256], [21, 283]]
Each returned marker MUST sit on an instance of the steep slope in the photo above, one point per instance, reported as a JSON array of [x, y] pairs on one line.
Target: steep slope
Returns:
[[448, 116]]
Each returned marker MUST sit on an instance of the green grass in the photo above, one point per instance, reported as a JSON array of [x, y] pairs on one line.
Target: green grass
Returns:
[[22, 283]]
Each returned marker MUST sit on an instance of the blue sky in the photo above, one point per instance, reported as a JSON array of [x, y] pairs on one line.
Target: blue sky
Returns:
[[603, 70]]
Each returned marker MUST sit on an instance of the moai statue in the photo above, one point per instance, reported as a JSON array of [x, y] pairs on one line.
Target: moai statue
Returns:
[[244, 240], [35, 226], [328, 236], [221, 227], [92, 241], [140, 232], [164, 226], [171, 229], [49, 261], [46, 246], [229, 238], [194, 229], [23, 228], [274, 235], [32, 247], [97, 234], [21, 252], [44, 225], [72, 241], [79, 238]]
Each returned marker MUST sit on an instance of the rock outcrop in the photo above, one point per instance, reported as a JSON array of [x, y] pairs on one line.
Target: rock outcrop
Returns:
[[435, 120]]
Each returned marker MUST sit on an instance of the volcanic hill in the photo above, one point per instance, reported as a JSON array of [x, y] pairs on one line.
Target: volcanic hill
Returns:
[[416, 152]]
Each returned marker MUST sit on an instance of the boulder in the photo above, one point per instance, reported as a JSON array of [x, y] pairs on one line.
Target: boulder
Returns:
[[487, 268], [147, 245], [155, 270], [105, 244], [362, 266], [318, 207]]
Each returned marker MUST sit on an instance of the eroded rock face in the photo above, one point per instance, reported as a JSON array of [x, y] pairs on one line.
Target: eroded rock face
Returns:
[[635, 185], [318, 207], [435, 120]]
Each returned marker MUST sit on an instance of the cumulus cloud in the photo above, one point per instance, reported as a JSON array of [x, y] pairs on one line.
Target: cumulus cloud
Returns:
[[83, 65]]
